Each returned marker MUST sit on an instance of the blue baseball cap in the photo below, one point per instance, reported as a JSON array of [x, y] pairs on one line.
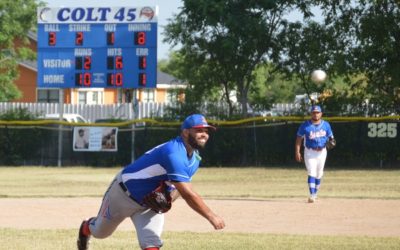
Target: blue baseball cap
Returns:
[[316, 108], [196, 121]]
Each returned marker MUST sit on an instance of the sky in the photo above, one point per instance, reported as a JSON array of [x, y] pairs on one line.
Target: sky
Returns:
[[167, 8]]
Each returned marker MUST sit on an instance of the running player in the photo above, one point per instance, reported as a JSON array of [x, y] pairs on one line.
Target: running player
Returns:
[[315, 133], [174, 163]]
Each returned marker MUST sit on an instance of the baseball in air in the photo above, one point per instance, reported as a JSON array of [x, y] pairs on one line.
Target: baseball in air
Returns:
[[318, 76]]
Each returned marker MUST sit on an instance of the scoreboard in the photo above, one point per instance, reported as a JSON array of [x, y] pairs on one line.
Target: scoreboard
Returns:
[[97, 47]]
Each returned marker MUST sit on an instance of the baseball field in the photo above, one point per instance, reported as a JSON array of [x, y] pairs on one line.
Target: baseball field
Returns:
[[264, 208]]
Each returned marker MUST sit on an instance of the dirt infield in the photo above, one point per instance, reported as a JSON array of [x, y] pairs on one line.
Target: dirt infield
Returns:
[[278, 216]]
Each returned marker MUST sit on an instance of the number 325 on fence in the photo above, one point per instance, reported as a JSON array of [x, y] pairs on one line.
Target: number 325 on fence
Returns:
[[382, 130]]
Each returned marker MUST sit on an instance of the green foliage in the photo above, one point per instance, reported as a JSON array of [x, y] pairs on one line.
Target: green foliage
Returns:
[[17, 146], [378, 51], [271, 87], [17, 18], [358, 44], [8, 90], [20, 114], [174, 66], [224, 42], [199, 92]]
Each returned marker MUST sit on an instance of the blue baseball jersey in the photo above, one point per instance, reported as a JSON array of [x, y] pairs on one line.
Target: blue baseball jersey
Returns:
[[315, 135], [165, 162]]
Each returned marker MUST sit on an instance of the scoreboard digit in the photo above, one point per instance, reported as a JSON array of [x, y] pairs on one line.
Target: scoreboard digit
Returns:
[[99, 47]]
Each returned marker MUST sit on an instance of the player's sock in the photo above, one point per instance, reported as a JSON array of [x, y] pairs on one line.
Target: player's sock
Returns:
[[311, 185], [85, 228], [317, 185]]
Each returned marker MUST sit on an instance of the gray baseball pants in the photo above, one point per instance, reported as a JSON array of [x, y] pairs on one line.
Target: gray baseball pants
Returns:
[[116, 206]]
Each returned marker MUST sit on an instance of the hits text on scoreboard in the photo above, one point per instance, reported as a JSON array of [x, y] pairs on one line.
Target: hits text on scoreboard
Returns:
[[99, 47]]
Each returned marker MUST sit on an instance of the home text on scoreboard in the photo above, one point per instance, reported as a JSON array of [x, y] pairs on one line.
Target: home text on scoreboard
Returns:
[[98, 47]]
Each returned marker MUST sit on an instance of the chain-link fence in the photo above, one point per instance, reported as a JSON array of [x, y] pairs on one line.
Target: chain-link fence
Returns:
[[258, 141]]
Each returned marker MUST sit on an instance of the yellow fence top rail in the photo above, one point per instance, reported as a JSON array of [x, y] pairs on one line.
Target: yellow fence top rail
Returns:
[[214, 122]]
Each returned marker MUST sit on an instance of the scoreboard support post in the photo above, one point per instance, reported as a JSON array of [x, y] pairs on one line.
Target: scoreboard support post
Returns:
[[135, 116], [60, 127]]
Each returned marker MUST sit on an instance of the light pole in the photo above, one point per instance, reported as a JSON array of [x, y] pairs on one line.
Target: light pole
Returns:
[[366, 107]]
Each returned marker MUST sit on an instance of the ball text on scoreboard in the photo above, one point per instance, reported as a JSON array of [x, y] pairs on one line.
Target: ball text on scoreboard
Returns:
[[97, 47]]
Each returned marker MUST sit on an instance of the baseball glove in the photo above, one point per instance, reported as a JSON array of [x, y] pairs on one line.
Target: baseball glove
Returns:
[[159, 200], [331, 143]]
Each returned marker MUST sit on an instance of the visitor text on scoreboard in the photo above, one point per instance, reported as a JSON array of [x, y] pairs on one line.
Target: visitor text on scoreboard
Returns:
[[97, 47]]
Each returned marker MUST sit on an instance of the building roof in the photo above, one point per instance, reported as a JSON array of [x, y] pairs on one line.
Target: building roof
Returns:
[[164, 79]]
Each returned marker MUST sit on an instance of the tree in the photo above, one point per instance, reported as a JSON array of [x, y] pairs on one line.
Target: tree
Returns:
[[17, 18], [374, 29], [307, 46], [271, 87], [223, 42], [358, 43]]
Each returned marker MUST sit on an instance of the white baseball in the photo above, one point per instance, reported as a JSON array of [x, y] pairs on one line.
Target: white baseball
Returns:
[[318, 76]]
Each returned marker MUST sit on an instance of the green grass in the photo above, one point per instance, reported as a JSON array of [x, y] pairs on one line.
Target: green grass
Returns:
[[220, 183], [285, 183], [65, 240], [54, 182]]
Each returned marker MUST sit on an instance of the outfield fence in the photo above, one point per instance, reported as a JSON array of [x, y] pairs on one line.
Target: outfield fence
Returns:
[[256, 141]]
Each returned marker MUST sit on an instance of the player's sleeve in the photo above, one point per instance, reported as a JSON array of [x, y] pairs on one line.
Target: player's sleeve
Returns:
[[176, 169], [301, 131]]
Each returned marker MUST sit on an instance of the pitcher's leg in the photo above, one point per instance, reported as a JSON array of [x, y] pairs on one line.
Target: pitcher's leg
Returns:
[[149, 226], [311, 162], [312, 186], [320, 169], [116, 207]]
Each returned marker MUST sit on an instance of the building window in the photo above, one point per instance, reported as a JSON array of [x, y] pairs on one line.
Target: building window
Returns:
[[124, 95], [95, 97], [90, 97], [82, 97], [48, 95], [120, 94], [148, 95]]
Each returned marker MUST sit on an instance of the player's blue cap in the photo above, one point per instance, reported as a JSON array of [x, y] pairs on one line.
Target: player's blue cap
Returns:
[[196, 121], [316, 108]]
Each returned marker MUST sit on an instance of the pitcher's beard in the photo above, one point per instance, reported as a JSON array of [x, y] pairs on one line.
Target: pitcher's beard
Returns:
[[315, 119], [194, 144]]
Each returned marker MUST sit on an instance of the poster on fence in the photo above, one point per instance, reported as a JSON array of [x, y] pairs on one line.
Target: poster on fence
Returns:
[[95, 139]]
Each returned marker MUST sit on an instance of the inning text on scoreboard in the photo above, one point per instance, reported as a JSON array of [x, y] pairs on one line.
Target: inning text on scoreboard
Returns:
[[98, 47]]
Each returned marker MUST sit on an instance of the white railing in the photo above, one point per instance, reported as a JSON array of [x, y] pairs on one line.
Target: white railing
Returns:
[[92, 112]]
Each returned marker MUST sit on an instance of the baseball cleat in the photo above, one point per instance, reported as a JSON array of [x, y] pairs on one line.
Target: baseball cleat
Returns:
[[83, 239], [311, 200]]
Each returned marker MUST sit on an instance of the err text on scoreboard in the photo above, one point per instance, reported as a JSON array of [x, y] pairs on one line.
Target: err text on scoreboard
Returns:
[[97, 47]]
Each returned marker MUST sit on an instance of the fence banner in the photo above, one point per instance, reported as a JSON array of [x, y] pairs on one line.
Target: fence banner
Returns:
[[95, 139]]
